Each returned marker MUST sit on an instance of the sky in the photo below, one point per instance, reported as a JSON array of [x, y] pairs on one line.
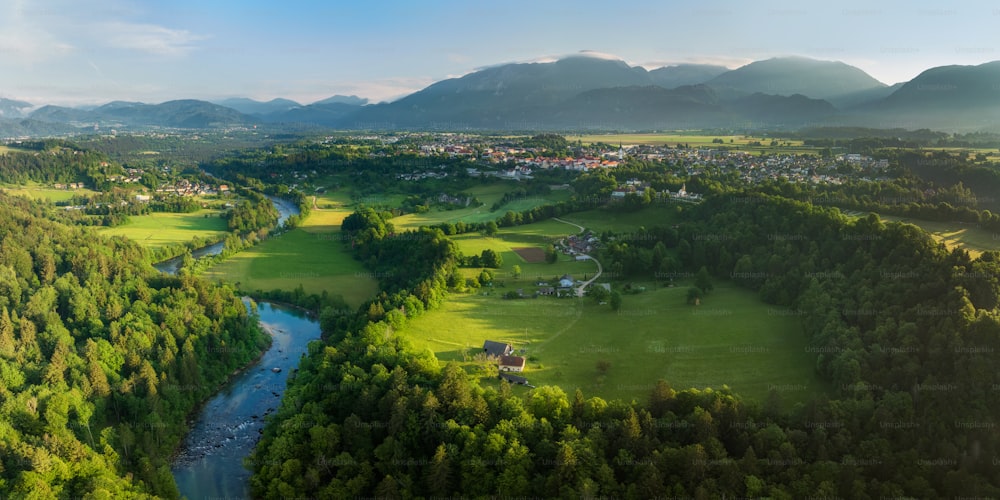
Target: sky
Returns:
[[74, 52]]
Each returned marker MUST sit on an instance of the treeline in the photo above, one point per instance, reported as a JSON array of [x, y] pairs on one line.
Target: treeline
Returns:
[[61, 165], [256, 214], [367, 414], [101, 360]]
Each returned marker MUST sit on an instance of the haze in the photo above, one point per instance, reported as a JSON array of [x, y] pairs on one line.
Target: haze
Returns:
[[72, 52]]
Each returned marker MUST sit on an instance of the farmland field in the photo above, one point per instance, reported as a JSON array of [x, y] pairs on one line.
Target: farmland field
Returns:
[[738, 142], [307, 256], [731, 339], [971, 237], [602, 220], [488, 195], [159, 229], [39, 192]]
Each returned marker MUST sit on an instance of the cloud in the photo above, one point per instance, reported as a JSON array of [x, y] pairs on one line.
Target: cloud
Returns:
[[729, 62], [598, 55], [23, 40], [149, 38]]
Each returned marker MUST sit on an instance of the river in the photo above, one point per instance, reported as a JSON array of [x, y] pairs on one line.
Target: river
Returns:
[[285, 208], [210, 460]]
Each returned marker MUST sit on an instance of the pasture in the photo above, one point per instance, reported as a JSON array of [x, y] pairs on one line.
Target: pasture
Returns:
[[488, 194], [623, 222], [39, 192], [731, 339], [510, 240], [971, 237], [733, 142], [160, 228], [311, 256]]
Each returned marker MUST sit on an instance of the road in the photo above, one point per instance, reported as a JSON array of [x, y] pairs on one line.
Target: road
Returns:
[[582, 229], [580, 291], [583, 288]]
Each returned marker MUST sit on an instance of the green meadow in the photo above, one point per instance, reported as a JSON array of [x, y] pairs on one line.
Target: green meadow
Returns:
[[158, 229], [39, 192], [312, 255], [730, 339], [737, 142], [621, 222], [972, 238], [489, 195]]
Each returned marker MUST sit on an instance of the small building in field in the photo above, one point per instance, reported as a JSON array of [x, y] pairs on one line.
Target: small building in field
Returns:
[[511, 364], [546, 290], [513, 379], [497, 349], [566, 281]]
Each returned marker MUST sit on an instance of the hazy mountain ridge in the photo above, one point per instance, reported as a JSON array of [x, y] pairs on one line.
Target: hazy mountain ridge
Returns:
[[12, 108], [183, 113], [594, 92], [797, 75]]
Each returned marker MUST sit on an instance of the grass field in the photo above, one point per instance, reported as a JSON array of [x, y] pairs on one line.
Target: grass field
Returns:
[[311, 256], [731, 339], [489, 195], [159, 229], [953, 234], [602, 220], [739, 142], [38, 192], [537, 235], [329, 210]]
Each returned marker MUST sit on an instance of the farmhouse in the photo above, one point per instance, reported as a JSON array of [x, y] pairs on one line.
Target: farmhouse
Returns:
[[546, 290], [566, 281], [497, 349], [511, 364]]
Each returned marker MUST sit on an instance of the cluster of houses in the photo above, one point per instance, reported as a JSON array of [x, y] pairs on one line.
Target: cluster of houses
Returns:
[[637, 187], [565, 287], [757, 168], [581, 244], [184, 187], [132, 176], [582, 164], [507, 362], [416, 176], [71, 185]]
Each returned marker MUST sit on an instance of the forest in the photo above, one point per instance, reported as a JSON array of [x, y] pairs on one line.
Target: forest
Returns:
[[102, 358], [902, 330]]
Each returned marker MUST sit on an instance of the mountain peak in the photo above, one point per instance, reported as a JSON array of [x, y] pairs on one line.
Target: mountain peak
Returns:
[[353, 100], [790, 75]]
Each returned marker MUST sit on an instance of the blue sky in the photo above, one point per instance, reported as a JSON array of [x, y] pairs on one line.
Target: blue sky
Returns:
[[82, 51]]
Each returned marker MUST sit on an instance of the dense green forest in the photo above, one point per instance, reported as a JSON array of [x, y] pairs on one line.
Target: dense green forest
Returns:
[[61, 163], [899, 326], [101, 359]]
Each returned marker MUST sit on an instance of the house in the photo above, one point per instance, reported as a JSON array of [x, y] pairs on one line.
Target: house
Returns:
[[566, 281], [513, 379], [511, 364], [497, 349], [142, 198], [546, 290]]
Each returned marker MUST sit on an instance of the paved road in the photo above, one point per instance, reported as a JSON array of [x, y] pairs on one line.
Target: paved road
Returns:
[[580, 291], [582, 229], [583, 288]]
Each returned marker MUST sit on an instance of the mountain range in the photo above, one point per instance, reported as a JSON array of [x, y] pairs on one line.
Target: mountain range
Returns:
[[594, 93]]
